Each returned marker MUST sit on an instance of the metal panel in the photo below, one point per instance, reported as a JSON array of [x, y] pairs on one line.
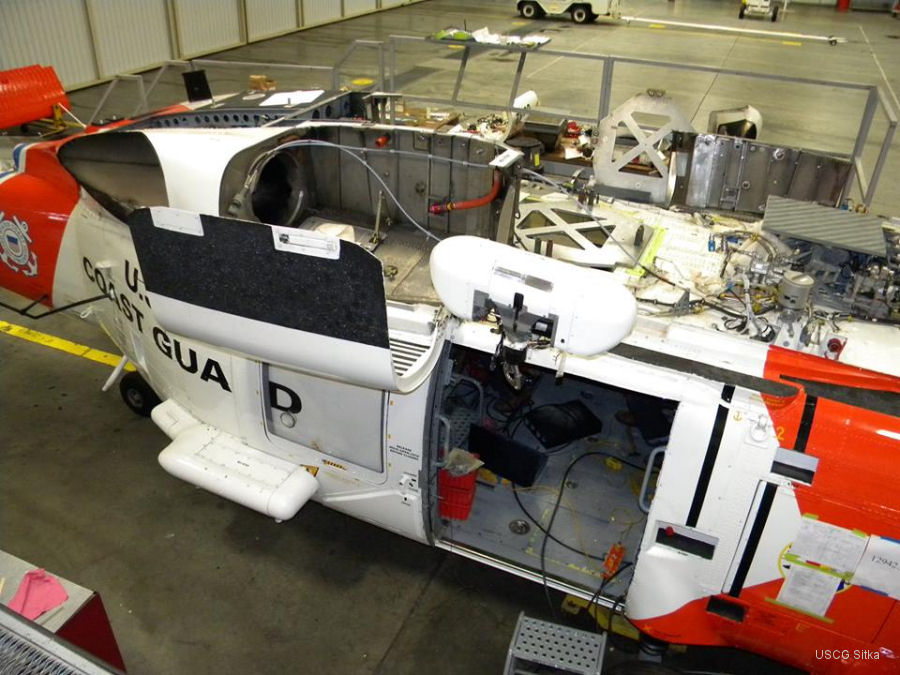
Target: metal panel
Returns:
[[270, 17], [130, 34], [823, 225], [739, 174], [207, 25], [320, 11], [391, 3], [51, 33], [353, 7]]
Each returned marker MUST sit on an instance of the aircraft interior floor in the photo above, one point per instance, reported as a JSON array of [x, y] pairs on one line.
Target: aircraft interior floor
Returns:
[[598, 507], [196, 584]]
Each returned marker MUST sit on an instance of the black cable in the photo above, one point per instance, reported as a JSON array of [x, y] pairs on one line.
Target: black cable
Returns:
[[517, 413], [603, 584], [547, 534], [491, 405], [460, 397], [26, 311], [562, 487], [612, 612]]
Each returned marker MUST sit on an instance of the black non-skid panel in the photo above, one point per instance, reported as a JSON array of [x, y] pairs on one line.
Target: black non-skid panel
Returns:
[[726, 608], [235, 268], [709, 461], [684, 542], [806, 421], [759, 524], [793, 472]]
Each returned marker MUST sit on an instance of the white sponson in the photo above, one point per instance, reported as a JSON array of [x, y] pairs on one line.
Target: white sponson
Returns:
[[220, 463]]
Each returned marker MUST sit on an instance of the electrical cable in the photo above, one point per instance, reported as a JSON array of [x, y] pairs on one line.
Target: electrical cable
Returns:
[[626, 564], [374, 173], [351, 152], [547, 534], [608, 232], [562, 487]]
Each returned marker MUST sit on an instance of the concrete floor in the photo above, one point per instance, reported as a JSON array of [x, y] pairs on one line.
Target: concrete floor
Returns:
[[197, 584]]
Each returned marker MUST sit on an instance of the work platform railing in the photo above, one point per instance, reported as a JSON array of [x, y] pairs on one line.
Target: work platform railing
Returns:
[[387, 73]]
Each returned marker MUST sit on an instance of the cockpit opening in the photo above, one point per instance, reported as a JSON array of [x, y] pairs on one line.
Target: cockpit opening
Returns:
[[281, 193]]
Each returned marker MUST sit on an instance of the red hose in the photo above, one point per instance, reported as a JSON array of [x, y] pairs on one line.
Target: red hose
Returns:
[[436, 209]]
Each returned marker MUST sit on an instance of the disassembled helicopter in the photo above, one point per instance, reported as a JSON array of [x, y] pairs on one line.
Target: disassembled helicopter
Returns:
[[690, 413]]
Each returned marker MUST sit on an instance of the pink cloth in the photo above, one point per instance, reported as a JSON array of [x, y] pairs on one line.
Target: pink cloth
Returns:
[[39, 592]]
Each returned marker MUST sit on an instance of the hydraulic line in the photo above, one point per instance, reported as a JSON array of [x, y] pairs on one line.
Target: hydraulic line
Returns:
[[436, 209]]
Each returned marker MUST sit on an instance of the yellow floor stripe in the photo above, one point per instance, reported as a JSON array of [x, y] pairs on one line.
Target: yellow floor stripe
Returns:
[[657, 25], [61, 344], [790, 43]]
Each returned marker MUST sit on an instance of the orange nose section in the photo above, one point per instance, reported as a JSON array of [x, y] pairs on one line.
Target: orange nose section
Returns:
[[35, 203]]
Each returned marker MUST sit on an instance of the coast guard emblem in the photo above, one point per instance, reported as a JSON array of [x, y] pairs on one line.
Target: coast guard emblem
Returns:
[[14, 251]]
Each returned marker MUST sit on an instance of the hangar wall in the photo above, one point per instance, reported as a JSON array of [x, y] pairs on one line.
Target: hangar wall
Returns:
[[87, 41]]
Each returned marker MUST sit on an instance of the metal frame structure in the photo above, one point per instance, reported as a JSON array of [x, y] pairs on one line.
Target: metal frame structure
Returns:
[[876, 97], [387, 75]]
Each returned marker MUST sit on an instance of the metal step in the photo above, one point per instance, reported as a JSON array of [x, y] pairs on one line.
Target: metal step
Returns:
[[29, 649], [539, 643]]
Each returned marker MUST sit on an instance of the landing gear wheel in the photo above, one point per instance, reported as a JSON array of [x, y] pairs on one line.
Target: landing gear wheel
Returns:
[[775, 14], [581, 14], [640, 668], [530, 10], [137, 394]]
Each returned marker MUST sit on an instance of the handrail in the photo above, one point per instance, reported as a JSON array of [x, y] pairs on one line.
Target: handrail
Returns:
[[876, 100]]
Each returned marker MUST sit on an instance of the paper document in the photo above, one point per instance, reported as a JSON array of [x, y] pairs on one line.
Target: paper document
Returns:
[[829, 545], [879, 568], [808, 589]]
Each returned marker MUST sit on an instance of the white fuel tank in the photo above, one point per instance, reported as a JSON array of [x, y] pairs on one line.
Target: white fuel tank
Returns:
[[591, 310]]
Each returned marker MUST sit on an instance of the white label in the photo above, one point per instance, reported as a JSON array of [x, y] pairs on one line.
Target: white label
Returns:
[[808, 589], [186, 222], [306, 242], [829, 545], [294, 97], [879, 568], [506, 158]]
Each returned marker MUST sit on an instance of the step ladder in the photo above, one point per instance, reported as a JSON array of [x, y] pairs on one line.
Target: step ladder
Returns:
[[538, 644]]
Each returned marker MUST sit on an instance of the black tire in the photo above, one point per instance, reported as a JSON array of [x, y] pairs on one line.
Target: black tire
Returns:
[[640, 668], [741, 12], [775, 14], [530, 10], [137, 394], [581, 14]]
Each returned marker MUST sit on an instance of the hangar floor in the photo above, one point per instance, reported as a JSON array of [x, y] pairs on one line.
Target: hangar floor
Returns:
[[196, 584]]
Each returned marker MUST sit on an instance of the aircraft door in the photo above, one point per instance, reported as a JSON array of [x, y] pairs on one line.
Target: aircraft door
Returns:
[[276, 295], [338, 419]]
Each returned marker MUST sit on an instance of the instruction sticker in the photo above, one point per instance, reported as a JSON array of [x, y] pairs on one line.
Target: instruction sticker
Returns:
[[829, 545], [879, 568], [808, 589]]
